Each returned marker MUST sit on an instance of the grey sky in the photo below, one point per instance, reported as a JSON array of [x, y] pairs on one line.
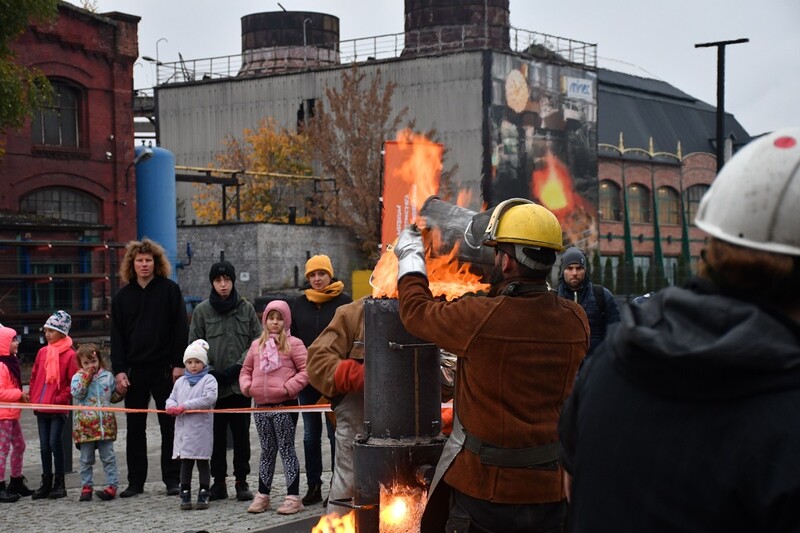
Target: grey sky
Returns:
[[650, 38]]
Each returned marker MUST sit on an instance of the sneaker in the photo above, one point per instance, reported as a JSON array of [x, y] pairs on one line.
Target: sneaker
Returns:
[[243, 493], [131, 491], [218, 490], [202, 499], [291, 505], [109, 493], [86, 494], [260, 503], [186, 500], [173, 490]]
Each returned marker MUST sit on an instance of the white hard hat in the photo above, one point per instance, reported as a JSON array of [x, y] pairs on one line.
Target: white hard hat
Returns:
[[754, 202]]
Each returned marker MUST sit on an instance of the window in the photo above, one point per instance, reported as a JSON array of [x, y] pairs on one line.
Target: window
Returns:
[[693, 196], [610, 205], [638, 204], [57, 123], [671, 269], [62, 203], [668, 206]]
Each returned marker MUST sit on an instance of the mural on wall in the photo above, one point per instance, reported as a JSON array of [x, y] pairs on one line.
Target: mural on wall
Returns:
[[543, 128]]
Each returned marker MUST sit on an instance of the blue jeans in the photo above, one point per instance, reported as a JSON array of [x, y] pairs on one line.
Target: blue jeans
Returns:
[[51, 426], [107, 457], [312, 437]]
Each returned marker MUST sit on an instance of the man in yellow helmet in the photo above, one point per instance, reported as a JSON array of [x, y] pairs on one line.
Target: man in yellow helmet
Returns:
[[518, 351]]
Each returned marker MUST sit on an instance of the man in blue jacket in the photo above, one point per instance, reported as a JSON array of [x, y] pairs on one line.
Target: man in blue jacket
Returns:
[[596, 300]]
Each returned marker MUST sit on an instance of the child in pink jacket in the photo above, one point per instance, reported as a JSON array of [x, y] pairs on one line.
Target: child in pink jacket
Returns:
[[273, 374], [11, 439]]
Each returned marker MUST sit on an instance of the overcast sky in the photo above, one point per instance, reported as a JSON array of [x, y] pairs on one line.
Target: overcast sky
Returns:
[[651, 38]]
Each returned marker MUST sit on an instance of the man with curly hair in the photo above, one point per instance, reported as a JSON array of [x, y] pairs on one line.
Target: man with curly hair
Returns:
[[149, 333]]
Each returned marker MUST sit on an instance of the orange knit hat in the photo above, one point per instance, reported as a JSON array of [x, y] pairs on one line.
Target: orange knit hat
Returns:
[[319, 262]]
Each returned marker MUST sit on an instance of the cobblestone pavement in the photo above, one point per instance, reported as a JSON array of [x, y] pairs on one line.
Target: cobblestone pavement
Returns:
[[153, 510]]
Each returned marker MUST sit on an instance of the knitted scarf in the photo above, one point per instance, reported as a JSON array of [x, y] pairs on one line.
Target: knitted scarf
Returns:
[[328, 293], [51, 373], [194, 378], [223, 306], [269, 359], [12, 362]]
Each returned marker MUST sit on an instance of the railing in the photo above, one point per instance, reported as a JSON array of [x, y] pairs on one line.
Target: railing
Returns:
[[389, 46]]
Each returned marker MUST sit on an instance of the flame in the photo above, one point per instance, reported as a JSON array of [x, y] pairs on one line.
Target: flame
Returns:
[[552, 185], [464, 198], [401, 508], [333, 523], [422, 168]]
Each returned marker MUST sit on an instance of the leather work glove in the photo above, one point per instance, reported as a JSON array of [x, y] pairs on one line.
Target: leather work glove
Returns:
[[410, 253], [349, 376]]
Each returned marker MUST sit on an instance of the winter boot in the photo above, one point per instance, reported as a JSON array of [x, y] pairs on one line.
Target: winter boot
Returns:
[[186, 500], [243, 493], [218, 490], [59, 490], [202, 499], [291, 505], [86, 494], [5, 496], [44, 491], [18, 486], [314, 494]]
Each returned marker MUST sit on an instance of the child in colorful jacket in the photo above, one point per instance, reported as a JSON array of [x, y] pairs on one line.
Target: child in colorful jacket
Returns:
[[94, 386], [12, 443], [273, 374], [51, 377]]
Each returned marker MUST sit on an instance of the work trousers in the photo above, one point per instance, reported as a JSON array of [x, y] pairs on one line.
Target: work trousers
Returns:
[[147, 382], [468, 514], [240, 433]]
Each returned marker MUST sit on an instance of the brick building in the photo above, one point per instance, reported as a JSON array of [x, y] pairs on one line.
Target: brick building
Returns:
[[69, 188]]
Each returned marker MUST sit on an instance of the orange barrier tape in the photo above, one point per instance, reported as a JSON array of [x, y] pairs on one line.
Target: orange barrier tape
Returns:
[[317, 408]]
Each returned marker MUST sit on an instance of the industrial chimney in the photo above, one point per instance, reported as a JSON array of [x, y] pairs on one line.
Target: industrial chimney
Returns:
[[278, 41], [433, 26]]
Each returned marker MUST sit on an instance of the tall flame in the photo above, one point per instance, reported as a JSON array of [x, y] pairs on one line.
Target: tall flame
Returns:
[[422, 168]]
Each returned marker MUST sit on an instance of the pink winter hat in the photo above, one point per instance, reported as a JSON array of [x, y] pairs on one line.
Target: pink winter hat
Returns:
[[6, 338]]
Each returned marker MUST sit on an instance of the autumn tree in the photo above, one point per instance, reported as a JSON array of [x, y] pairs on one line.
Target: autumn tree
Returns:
[[347, 133], [22, 89], [272, 163]]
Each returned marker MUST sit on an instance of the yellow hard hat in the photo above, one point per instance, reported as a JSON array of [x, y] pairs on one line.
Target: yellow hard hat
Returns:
[[522, 222]]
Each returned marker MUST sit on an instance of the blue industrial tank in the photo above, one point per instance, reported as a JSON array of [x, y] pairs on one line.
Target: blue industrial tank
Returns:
[[156, 212]]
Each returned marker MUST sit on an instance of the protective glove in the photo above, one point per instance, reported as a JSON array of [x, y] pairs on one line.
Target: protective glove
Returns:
[[410, 253], [349, 376], [175, 411]]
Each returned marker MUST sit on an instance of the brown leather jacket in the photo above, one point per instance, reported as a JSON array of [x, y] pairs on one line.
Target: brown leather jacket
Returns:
[[341, 339], [517, 360]]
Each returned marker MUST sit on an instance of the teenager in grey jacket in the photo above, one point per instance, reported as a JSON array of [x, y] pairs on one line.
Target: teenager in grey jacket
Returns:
[[229, 324]]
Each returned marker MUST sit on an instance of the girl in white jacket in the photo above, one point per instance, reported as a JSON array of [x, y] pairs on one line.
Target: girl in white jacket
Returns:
[[273, 374], [194, 432]]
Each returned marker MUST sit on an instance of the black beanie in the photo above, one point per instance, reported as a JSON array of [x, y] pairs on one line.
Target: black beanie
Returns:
[[223, 268]]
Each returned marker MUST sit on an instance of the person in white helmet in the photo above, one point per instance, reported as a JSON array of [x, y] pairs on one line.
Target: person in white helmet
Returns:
[[686, 418]]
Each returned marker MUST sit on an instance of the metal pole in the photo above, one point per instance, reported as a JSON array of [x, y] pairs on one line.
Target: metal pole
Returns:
[[721, 94]]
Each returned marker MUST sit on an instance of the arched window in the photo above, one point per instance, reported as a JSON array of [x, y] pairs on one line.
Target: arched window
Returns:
[[57, 123], [693, 196], [610, 203], [668, 206], [638, 204], [62, 203]]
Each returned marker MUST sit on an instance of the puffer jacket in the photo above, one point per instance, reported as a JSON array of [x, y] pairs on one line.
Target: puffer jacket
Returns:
[[9, 392], [517, 359], [229, 336], [685, 420], [194, 432], [585, 296], [94, 391], [47, 393], [283, 383]]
